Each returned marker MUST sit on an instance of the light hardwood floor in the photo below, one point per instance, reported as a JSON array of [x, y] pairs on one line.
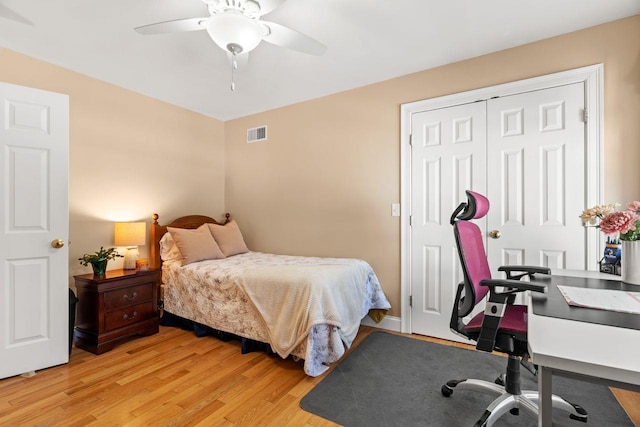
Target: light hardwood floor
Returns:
[[174, 378]]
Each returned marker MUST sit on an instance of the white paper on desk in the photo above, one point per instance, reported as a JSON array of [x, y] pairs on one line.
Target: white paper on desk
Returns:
[[602, 299]]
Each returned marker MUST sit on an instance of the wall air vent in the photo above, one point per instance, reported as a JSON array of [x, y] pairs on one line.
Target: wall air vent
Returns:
[[256, 134]]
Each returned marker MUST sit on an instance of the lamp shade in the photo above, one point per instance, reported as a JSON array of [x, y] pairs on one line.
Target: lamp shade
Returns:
[[231, 29], [130, 233]]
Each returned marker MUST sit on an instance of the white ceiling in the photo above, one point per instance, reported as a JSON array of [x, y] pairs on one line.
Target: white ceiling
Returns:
[[367, 41]]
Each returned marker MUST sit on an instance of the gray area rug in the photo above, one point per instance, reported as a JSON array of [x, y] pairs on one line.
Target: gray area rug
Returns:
[[391, 380]]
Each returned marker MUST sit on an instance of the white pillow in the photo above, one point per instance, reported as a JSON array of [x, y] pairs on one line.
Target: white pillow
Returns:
[[168, 249]]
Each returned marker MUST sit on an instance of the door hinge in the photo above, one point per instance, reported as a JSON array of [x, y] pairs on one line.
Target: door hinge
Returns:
[[411, 139], [410, 220], [410, 300], [585, 115]]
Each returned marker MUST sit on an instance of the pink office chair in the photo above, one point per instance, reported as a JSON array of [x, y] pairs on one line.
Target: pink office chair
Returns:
[[502, 326]]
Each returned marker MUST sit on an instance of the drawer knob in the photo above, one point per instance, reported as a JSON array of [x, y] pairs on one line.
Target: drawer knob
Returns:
[[127, 317], [130, 297]]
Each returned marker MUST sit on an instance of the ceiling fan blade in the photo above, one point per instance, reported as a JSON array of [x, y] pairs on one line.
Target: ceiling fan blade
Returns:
[[267, 6], [292, 39], [9, 14], [242, 59], [175, 26]]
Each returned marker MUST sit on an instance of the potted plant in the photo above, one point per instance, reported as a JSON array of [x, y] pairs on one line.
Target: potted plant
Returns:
[[99, 259]]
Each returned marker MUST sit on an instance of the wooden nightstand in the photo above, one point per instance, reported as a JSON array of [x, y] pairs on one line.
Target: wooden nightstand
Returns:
[[116, 306]]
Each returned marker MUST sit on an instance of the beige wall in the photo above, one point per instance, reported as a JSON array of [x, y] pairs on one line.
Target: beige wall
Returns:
[[130, 155], [323, 182]]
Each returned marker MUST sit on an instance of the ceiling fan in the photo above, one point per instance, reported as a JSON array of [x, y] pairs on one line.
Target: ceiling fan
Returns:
[[236, 27]]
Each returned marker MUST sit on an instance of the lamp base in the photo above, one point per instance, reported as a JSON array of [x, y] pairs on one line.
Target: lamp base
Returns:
[[130, 258]]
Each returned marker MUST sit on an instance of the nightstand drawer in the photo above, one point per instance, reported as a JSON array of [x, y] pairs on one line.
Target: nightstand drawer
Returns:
[[129, 315], [128, 296]]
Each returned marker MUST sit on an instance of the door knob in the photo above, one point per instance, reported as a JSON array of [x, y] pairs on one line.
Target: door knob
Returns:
[[57, 243], [494, 234]]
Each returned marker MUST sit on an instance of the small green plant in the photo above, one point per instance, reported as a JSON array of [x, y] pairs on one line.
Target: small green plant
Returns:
[[101, 255]]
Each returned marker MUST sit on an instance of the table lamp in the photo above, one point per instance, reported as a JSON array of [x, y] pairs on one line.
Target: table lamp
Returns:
[[131, 235]]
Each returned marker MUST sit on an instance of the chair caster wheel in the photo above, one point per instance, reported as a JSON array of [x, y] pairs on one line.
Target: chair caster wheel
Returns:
[[578, 418], [581, 413], [446, 391], [482, 422]]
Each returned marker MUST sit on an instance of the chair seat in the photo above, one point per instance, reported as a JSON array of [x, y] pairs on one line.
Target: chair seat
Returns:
[[514, 321]]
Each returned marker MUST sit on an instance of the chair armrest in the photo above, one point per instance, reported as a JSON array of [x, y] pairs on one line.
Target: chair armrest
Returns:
[[524, 270], [514, 285]]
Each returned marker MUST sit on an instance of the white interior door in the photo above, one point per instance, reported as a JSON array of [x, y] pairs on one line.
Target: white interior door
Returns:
[[536, 171], [448, 153], [526, 153], [34, 140]]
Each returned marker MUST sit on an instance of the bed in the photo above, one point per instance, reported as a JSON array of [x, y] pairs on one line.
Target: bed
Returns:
[[308, 308]]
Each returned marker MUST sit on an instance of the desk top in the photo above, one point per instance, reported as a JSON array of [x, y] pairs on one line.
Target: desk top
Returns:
[[553, 303], [586, 348]]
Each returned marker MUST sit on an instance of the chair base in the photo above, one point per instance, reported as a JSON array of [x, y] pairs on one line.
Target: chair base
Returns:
[[508, 402]]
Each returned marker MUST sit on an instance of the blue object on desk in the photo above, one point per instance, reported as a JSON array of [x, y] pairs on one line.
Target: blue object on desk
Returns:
[[610, 262]]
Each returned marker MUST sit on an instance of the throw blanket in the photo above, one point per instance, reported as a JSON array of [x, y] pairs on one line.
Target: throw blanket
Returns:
[[293, 299]]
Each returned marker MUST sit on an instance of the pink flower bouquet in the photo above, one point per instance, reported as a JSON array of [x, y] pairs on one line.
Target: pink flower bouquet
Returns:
[[618, 224]]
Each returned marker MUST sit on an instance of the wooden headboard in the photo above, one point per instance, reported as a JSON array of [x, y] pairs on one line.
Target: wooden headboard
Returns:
[[157, 231]]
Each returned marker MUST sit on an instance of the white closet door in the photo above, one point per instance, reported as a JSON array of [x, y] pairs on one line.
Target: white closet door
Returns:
[[536, 175], [526, 153], [447, 158]]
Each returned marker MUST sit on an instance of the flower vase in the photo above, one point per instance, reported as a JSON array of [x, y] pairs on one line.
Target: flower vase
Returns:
[[99, 267], [631, 261]]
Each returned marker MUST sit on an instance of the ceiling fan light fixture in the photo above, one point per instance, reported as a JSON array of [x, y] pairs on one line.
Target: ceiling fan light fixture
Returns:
[[231, 29]]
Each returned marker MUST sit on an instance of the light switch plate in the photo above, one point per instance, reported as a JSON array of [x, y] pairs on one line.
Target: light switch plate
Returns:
[[395, 209]]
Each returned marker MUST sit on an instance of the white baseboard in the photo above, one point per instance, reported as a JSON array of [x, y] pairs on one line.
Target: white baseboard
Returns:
[[390, 323]]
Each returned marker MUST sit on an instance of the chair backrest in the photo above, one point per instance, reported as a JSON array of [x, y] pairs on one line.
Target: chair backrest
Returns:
[[473, 257]]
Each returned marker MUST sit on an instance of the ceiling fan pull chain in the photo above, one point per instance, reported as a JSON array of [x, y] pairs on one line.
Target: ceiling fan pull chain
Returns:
[[234, 66], [235, 49]]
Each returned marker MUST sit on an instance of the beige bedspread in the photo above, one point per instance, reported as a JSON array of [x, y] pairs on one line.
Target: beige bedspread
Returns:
[[291, 299]]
